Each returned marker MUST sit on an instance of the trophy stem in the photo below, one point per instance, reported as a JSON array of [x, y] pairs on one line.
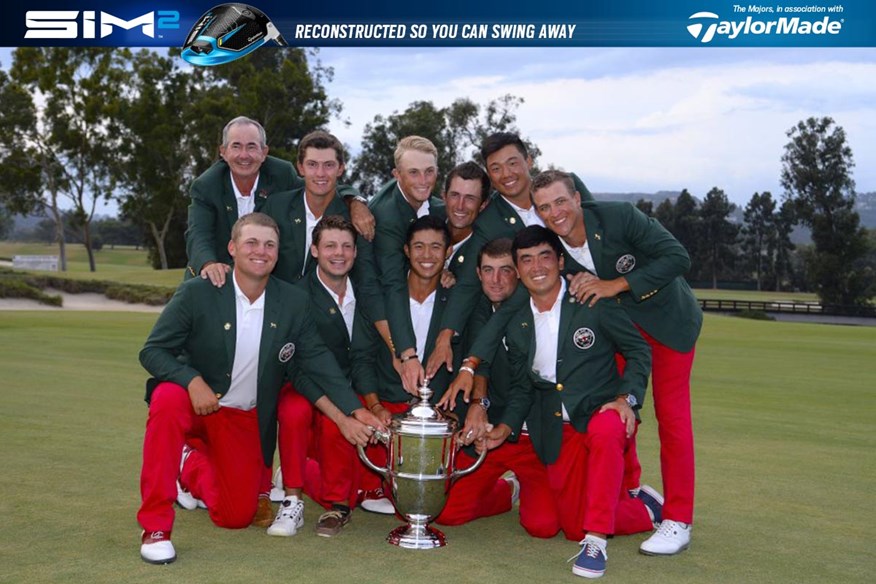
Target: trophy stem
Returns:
[[416, 536]]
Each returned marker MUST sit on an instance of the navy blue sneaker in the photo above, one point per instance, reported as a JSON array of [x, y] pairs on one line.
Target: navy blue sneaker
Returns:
[[590, 561], [654, 502]]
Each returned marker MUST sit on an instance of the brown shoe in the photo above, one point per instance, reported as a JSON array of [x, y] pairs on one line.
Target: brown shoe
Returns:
[[264, 513], [331, 522]]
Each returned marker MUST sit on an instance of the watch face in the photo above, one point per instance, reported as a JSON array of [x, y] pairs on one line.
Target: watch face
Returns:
[[485, 402]]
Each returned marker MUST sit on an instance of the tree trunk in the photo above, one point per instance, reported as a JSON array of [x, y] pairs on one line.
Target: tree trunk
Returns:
[[86, 236]]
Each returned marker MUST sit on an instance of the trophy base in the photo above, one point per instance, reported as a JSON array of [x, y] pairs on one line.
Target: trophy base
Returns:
[[416, 537]]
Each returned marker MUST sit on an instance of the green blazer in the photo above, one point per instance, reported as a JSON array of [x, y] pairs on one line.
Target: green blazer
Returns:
[[625, 242], [393, 216], [587, 375], [213, 209], [498, 219], [287, 209], [372, 361], [196, 335]]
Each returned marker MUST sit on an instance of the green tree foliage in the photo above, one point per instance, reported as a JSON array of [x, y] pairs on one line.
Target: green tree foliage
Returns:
[[457, 132], [646, 207], [279, 88], [716, 244], [155, 164], [758, 234], [81, 90], [816, 176], [30, 174]]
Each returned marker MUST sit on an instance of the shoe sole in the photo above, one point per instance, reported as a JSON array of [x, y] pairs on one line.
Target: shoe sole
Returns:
[[648, 553], [587, 573], [158, 562]]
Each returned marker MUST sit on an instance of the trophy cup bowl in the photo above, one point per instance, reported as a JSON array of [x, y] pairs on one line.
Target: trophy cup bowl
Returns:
[[421, 447]]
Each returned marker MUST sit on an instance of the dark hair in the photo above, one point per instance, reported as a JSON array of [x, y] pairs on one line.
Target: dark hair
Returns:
[[497, 141], [321, 140], [469, 171], [428, 222], [259, 219], [549, 177], [533, 236], [495, 249], [332, 222]]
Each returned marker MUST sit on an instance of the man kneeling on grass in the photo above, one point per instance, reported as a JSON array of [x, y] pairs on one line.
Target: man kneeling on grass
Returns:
[[218, 357]]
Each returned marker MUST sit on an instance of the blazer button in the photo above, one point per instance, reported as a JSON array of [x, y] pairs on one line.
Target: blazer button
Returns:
[[218, 396], [559, 387], [227, 375], [558, 414]]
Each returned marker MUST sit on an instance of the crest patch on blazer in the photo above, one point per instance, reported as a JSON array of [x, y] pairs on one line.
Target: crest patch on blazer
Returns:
[[625, 263], [583, 338], [286, 352]]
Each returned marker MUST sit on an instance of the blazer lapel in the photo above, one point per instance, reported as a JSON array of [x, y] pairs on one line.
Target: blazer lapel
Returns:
[[228, 314], [567, 317], [228, 198], [435, 321], [298, 223], [269, 327], [323, 302], [595, 239], [508, 214]]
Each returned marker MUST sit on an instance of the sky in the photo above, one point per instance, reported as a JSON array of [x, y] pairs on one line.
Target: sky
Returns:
[[631, 119]]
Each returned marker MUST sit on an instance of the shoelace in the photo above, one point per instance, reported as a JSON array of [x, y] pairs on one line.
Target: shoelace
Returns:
[[293, 511], [668, 528], [339, 515], [156, 535], [588, 548]]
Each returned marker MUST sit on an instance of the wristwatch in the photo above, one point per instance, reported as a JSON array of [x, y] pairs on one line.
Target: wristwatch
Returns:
[[484, 402], [361, 199], [631, 400]]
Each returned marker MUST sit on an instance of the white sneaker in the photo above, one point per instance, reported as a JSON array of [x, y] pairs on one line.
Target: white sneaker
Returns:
[[184, 498], [670, 538], [156, 548], [515, 488], [289, 518], [278, 493], [376, 502]]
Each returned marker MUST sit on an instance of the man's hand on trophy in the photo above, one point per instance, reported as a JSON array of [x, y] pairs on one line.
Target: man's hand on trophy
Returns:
[[372, 422], [494, 438], [476, 423]]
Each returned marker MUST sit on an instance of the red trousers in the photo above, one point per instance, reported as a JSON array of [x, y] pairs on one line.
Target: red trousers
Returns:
[[224, 471], [484, 493], [333, 471], [587, 481], [295, 416]]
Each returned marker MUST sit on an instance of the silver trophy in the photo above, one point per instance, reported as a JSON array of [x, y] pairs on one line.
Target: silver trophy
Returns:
[[421, 453]]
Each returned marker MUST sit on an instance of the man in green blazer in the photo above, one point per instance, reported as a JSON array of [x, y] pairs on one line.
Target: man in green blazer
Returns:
[[510, 209], [297, 211], [218, 357], [579, 411], [625, 258], [395, 207], [240, 183]]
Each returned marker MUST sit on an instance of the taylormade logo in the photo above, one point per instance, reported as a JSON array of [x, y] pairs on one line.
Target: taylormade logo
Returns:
[[705, 25]]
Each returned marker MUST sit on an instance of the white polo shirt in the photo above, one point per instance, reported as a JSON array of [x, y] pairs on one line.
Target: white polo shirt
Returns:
[[348, 308], [421, 316], [310, 221], [245, 203], [581, 255], [547, 332], [424, 208], [528, 216], [243, 392]]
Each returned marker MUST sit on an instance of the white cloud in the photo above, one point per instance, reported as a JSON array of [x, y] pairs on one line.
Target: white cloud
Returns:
[[654, 124]]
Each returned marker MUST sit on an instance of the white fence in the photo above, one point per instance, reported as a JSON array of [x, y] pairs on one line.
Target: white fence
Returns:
[[46, 263]]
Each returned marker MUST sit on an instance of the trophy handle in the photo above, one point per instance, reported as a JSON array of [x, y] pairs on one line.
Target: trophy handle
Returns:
[[367, 461], [461, 473]]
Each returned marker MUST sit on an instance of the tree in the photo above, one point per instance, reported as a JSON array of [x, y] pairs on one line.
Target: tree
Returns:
[[29, 173], [81, 88], [718, 234], [155, 162], [782, 249], [280, 89], [758, 232], [686, 222], [457, 132], [816, 176], [646, 207]]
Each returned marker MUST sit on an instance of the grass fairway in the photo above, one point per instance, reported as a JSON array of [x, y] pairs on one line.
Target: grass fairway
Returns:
[[784, 416]]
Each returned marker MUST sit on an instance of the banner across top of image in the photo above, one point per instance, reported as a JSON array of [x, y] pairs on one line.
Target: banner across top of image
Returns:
[[232, 28]]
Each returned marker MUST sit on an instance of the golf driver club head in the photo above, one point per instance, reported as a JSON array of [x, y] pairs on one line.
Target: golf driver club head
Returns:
[[227, 32]]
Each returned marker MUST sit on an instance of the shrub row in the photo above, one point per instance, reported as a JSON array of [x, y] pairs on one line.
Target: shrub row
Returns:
[[17, 285]]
